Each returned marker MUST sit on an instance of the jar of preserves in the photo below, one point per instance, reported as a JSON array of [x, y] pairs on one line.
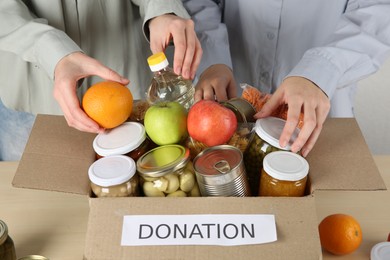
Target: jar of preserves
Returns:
[[127, 139], [114, 176], [283, 174], [7, 247], [265, 141], [166, 171]]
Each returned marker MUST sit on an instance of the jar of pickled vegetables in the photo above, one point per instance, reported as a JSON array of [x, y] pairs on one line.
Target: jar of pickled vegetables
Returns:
[[127, 139], [166, 171], [114, 176], [283, 174], [265, 141]]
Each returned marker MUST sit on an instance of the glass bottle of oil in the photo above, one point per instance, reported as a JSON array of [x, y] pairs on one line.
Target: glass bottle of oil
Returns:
[[166, 85]]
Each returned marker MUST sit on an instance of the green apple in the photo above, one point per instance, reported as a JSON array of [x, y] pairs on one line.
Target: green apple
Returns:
[[166, 123]]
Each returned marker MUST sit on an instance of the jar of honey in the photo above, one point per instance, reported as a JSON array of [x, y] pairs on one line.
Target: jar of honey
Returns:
[[166, 171], [265, 141], [127, 139], [283, 174], [7, 247], [114, 176]]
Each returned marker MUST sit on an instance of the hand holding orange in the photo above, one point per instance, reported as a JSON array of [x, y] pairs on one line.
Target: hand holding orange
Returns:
[[108, 103], [340, 234]]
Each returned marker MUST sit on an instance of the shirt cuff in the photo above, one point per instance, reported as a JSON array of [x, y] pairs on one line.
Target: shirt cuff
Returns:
[[52, 47], [316, 67]]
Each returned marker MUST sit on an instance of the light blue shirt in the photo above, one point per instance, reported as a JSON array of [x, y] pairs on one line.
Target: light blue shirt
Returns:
[[333, 43]]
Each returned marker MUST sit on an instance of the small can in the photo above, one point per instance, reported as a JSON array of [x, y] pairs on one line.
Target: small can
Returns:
[[7, 247], [114, 176], [220, 172], [265, 140], [127, 139], [166, 171], [284, 174], [243, 110]]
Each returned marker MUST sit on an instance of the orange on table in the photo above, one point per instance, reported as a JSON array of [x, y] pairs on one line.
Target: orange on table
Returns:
[[108, 103], [340, 234]]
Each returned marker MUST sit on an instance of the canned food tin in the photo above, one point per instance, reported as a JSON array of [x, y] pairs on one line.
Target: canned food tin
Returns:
[[265, 141], [166, 171], [380, 251], [220, 171], [243, 110]]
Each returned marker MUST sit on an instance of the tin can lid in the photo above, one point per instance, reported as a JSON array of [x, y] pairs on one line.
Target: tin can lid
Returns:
[[217, 160], [112, 170], [3, 232], [120, 140], [270, 128], [381, 251], [285, 166], [33, 257], [163, 160]]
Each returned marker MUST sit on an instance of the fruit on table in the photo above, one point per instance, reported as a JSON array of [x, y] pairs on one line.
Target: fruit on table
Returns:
[[340, 234], [211, 123], [108, 103], [166, 123]]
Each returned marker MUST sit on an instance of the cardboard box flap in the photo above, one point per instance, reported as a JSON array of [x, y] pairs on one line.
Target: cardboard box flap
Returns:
[[341, 159], [296, 224], [56, 157]]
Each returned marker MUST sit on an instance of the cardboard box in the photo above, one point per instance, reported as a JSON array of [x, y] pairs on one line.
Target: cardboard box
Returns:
[[57, 158]]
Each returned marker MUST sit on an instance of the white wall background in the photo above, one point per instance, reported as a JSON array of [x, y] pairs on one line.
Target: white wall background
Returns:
[[372, 110]]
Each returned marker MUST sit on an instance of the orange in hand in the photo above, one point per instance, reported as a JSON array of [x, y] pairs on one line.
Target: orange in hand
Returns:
[[340, 234], [108, 103]]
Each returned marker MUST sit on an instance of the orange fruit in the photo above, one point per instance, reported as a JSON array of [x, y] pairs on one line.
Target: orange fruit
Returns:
[[108, 103], [340, 234]]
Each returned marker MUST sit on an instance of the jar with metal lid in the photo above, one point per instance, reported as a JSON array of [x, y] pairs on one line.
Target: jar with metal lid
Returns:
[[283, 174], [114, 176], [7, 247], [127, 139], [220, 171], [166, 171], [265, 141]]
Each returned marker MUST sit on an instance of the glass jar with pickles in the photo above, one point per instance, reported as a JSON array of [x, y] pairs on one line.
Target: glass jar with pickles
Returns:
[[166, 171], [265, 141], [7, 247], [284, 174], [114, 176]]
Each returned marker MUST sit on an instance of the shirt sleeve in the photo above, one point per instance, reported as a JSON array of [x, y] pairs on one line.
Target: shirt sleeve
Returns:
[[357, 48], [31, 38], [212, 33]]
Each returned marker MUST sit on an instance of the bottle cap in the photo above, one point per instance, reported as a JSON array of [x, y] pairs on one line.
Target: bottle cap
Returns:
[[112, 170], [285, 166], [270, 128], [381, 251], [120, 140], [157, 61]]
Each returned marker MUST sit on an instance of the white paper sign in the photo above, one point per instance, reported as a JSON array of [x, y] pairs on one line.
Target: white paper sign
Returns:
[[224, 230]]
